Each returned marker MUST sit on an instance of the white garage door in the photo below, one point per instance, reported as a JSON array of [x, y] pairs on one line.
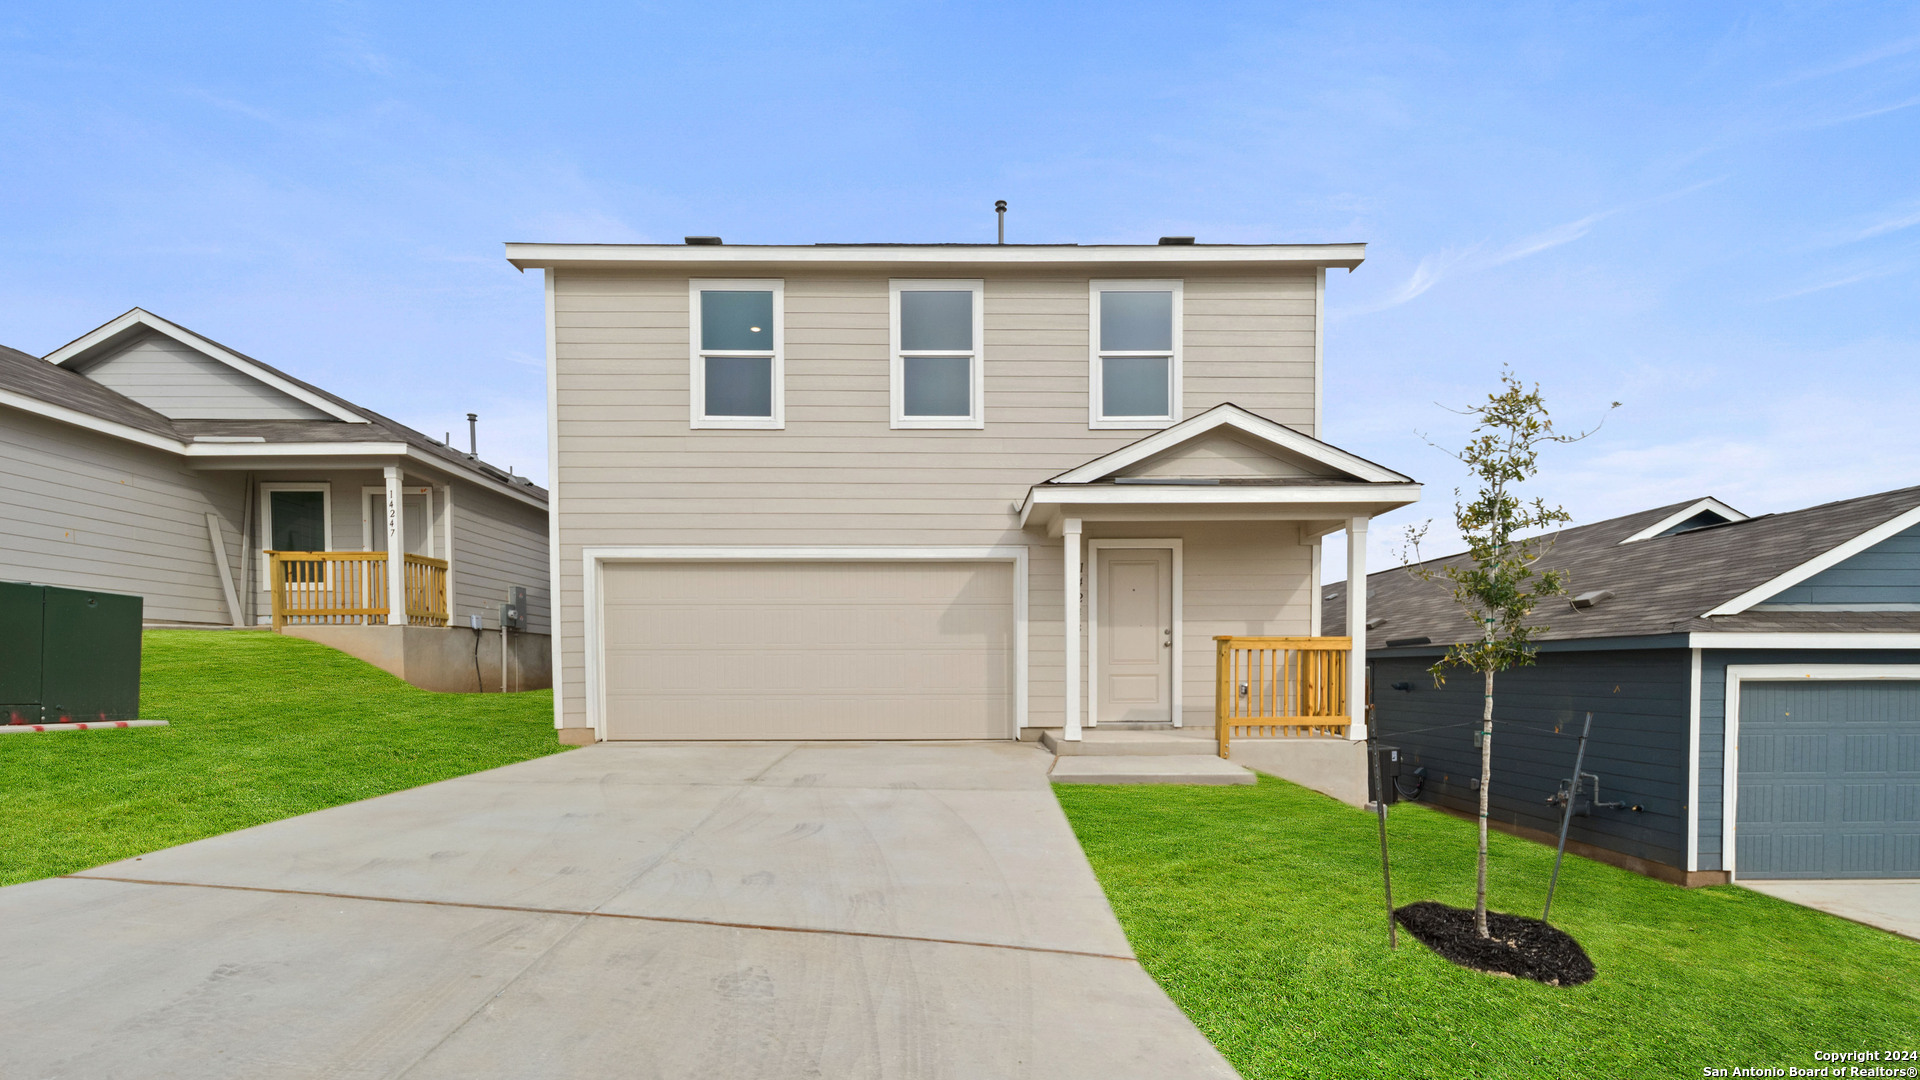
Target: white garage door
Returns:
[[809, 650]]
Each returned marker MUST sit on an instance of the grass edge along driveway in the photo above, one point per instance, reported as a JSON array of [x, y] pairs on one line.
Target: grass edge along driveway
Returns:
[[1259, 911], [261, 727]]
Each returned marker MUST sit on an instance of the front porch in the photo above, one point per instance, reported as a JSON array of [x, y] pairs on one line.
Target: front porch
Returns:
[[1190, 578]]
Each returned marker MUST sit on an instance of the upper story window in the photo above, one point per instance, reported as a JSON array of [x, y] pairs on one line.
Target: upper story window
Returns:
[[738, 356], [1135, 361], [936, 363]]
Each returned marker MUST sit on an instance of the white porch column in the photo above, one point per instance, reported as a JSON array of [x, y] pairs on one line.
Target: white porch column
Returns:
[[1070, 539], [1357, 627], [396, 552]]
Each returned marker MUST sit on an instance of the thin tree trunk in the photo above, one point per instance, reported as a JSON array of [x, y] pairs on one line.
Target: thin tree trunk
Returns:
[[1486, 779]]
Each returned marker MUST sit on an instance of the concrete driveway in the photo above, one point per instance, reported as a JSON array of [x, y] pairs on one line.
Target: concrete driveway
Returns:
[[690, 910], [1891, 904]]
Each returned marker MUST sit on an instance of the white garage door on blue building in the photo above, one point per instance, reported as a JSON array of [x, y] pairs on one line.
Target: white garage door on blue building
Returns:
[[1828, 779]]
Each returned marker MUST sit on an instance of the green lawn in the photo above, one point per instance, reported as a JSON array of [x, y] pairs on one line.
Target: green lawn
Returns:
[[262, 727], [1259, 910]]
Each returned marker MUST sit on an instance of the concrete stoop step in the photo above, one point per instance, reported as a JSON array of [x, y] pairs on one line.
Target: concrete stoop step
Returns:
[[1106, 742], [1147, 769]]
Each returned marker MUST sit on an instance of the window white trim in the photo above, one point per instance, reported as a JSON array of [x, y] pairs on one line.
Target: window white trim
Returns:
[[592, 559], [1825, 560], [1099, 422], [697, 368], [1730, 757], [267, 488], [976, 359], [368, 491], [1094, 584], [1685, 513]]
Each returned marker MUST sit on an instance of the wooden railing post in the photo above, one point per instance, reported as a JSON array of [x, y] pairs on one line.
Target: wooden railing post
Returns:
[[1295, 687], [1222, 697]]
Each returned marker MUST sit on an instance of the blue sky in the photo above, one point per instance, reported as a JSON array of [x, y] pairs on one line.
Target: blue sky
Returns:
[[1710, 213]]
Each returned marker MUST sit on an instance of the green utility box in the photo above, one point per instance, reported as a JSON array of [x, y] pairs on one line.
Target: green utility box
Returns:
[[68, 656]]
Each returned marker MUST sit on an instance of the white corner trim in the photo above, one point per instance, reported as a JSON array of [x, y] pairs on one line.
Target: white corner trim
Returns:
[[592, 560], [976, 357], [555, 594], [1693, 763], [697, 417], [1826, 559], [1683, 514], [1230, 415], [1730, 769], [90, 422], [139, 317], [1094, 546], [1097, 420]]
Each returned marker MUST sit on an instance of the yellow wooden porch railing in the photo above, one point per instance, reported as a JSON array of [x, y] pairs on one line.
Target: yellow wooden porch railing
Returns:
[[349, 588], [1279, 687]]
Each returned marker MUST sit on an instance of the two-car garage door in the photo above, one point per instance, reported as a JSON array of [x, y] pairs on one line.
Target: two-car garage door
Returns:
[[1829, 779], [909, 649]]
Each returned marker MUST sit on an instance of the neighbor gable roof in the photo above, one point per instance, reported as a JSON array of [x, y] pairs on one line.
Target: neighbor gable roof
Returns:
[[1701, 580], [1281, 440], [104, 339]]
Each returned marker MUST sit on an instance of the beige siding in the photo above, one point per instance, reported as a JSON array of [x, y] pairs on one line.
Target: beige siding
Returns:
[[1223, 454], [498, 542], [180, 382], [92, 512], [631, 472]]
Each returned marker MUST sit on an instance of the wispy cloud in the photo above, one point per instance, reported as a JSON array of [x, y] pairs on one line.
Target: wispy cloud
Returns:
[[1432, 269], [1858, 60], [1835, 283], [1905, 220]]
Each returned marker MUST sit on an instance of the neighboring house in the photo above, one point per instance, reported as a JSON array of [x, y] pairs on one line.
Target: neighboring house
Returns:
[[932, 491], [144, 458], [1754, 684]]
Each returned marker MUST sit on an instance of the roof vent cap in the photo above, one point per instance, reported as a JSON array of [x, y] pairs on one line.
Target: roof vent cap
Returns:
[[1170, 241], [1375, 624], [704, 241], [1587, 599]]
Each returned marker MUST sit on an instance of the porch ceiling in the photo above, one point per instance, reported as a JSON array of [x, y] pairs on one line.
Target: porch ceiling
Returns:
[[1326, 504]]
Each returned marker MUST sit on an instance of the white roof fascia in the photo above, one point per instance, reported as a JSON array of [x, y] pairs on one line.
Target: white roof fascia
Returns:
[[1230, 415], [1824, 560], [1725, 639], [1671, 520], [140, 317], [541, 256], [1208, 495], [339, 450], [90, 422]]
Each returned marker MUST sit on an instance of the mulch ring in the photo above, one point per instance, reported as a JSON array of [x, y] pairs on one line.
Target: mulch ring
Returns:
[[1518, 946]]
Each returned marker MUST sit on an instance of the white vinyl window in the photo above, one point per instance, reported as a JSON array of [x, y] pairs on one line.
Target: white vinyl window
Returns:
[[936, 361], [1134, 356], [737, 354], [293, 517]]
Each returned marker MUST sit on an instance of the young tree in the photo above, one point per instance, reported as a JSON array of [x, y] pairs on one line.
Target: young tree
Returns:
[[1498, 586]]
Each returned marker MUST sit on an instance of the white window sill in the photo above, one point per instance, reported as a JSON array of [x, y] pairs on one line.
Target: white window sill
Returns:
[[1130, 423], [738, 423], [944, 423]]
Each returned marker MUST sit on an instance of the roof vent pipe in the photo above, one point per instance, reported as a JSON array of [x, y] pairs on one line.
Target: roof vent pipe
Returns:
[[473, 435], [1000, 208], [1587, 599]]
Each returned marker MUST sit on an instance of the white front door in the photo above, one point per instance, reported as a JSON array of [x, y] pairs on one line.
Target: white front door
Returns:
[[1135, 662]]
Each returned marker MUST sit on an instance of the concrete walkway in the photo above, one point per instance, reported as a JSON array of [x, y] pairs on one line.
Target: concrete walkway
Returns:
[[1891, 904], [693, 910]]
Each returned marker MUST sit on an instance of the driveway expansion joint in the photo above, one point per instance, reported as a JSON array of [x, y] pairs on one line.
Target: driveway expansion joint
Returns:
[[677, 920]]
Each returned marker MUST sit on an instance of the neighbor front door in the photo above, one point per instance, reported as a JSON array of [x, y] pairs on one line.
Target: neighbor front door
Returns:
[[1135, 662]]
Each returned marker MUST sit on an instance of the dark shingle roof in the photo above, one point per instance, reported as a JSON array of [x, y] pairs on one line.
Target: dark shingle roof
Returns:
[[1661, 586], [33, 377]]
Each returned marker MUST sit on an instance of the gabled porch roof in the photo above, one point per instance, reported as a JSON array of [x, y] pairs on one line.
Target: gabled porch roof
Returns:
[[1226, 464]]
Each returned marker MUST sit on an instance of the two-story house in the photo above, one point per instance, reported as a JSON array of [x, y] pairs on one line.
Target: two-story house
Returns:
[[945, 491]]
